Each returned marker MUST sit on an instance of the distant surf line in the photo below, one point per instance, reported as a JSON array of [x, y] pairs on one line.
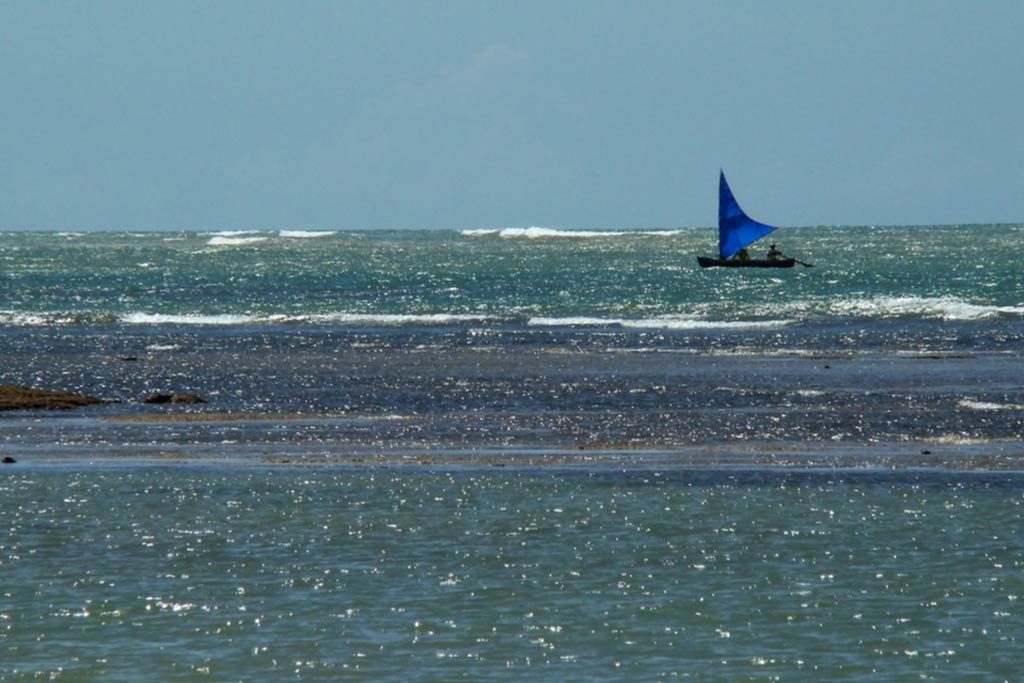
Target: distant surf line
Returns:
[[547, 233], [442, 319]]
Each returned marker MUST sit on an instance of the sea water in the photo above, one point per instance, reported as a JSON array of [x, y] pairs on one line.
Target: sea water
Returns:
[[500, 454]]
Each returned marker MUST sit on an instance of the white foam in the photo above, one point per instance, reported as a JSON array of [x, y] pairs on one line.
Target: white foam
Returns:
[[400, 318], [16, 319], [960, 440], [33, 318], [226, 241], [234, 233], [535, 232], [577, 321], [306, 234], [140, 318], [163, 347], [662, 323], [187, 319], [945, 308], [987, 405], [693, 324]]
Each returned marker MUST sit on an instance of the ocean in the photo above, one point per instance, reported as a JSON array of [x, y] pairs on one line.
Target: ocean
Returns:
[[524, 452]]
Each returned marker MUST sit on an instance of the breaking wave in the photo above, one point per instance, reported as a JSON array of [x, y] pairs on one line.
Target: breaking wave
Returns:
[[306, 234], [322, 318], [988, 405], [401, 318], [942, 308], [663, 323], [547, 233], [240, 240], [673, 322], [188, 319], [32, 319]]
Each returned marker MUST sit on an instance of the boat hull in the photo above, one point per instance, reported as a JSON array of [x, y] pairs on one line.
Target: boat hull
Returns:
[[708, 262]]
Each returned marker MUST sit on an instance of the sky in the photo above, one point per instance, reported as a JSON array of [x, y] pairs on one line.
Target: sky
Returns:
[[311, 114]]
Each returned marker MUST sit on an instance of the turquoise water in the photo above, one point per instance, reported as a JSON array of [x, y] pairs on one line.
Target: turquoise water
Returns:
[[646, 279], [515, 339], [511, 454], [241, 574]]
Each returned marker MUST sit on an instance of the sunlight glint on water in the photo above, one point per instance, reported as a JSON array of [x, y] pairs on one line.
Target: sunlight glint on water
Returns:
[[404, 576]]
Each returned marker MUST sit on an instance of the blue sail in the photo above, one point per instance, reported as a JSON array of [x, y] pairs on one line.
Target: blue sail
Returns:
[[735, 229]]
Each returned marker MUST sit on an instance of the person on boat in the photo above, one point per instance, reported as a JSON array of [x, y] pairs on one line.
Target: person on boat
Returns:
[[742, 255], [773, 253]]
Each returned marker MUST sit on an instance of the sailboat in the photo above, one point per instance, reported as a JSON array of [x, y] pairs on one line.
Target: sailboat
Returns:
[[737, 230]]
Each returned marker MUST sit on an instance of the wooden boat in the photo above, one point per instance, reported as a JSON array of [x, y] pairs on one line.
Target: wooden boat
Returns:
[[737, 230], [708, 262]]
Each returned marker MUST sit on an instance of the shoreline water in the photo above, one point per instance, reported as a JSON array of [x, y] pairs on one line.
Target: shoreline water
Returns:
[[321, 401], [992, 457], [134, 573]]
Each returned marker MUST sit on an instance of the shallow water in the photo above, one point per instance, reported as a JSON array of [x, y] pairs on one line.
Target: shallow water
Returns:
[[507, 454], [211, 574], [516, 338], [322, 393]]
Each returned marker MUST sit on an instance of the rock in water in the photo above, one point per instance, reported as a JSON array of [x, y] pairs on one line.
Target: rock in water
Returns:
[[174, 398], [15, 397]]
